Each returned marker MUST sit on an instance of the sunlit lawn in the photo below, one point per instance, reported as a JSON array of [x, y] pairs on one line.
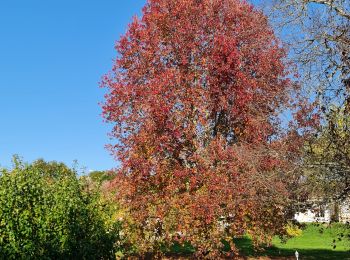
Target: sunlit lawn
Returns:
[[316, 242]]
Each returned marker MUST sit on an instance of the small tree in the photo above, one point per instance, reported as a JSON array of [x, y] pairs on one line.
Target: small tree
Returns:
[[46, 213], [195, 97]]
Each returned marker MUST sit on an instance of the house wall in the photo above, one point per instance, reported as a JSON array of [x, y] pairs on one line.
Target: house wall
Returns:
[[310, 216], [344, 212]]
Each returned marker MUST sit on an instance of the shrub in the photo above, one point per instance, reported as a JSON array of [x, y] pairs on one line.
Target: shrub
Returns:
[[293, 230], [46, 212]]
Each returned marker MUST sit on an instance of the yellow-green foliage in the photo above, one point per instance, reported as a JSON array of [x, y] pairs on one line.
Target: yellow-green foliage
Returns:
[[293, 230], [327, 156], [47, 213]]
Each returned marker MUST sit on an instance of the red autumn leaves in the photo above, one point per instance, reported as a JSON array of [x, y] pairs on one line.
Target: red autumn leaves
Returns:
[[194, 97]]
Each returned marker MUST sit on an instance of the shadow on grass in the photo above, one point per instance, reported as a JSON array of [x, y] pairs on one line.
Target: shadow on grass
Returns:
[[182, 250], [246, 248]]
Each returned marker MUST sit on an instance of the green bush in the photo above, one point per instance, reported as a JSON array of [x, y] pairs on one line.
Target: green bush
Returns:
[[47, 213]]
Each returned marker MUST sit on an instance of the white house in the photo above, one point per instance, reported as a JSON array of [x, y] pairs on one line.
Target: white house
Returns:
[[325, 213]]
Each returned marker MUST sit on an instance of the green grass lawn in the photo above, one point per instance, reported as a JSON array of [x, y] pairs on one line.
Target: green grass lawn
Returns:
[[316, 242]]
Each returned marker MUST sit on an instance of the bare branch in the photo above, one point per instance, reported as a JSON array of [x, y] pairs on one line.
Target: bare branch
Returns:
[[338, 9]]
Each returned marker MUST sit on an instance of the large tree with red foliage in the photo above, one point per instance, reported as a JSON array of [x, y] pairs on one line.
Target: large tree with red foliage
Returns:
[[194, 96]]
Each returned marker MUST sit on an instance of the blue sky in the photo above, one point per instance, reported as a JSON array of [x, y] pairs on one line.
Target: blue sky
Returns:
[[52, 56]]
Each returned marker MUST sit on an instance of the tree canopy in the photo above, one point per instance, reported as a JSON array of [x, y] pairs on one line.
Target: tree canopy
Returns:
[[195, 96]]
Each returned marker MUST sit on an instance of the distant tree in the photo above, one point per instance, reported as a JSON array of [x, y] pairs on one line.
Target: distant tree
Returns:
[[195, 96], [46, 213], [328, 158], [101, 176], [318, 34]]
